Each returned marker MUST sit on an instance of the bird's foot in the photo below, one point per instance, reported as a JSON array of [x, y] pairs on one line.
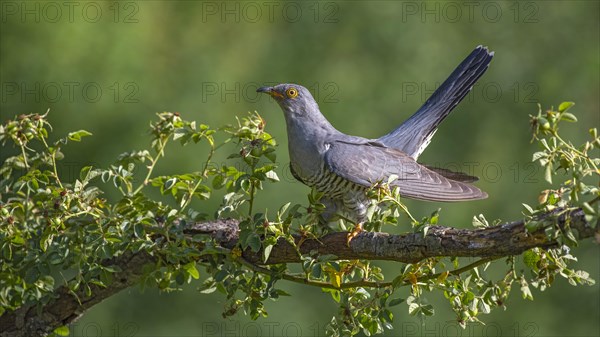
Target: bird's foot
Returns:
[[357, 229]]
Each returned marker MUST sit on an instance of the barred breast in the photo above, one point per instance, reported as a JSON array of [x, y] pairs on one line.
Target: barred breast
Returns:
[[350, 196]]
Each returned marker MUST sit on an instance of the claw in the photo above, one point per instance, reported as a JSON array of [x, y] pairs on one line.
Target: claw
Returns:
[[357, 229]]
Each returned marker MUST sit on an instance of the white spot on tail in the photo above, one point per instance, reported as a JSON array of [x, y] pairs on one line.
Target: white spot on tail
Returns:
[[424, 145]]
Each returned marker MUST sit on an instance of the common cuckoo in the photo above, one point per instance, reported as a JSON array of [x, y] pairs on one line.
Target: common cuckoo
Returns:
[[344, 167]]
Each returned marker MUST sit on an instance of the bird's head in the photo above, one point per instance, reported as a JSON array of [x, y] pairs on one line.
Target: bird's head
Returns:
[[293, 99]]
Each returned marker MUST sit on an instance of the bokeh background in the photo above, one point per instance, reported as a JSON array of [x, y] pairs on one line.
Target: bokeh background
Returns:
[[108, 67]]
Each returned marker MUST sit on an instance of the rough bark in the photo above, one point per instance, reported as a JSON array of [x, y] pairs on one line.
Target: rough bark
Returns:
[[502, 240]]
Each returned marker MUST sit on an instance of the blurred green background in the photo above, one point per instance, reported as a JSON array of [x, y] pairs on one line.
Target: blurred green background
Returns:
[[107, 67]]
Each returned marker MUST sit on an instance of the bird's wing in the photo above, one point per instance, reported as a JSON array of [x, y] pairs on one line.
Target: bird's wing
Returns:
[[413, 136], [368, 163], [453, 175]]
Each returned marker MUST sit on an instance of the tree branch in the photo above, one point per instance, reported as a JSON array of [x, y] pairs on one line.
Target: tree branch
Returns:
[[503, 240], [498, 241]]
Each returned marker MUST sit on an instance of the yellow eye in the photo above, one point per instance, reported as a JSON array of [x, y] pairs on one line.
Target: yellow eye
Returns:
[[291, 93]]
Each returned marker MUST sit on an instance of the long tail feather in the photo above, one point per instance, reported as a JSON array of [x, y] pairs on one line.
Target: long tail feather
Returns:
[[413, 136]]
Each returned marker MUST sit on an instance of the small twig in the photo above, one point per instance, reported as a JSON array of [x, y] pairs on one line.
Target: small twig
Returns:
[[24, 153], [461, 270], [363, 284], [319, 284], [53, 157], [154, 160], [252, 192]]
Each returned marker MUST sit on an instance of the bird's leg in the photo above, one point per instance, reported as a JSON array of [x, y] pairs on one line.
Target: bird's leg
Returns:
[[357, 229]]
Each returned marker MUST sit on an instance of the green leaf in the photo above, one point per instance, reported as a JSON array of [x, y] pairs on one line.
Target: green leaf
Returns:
[[569, 117], [327, 257], [253, 241], [564, 106], [548, 173], [84, 173], [480, 221], [218, 182], [538, 155], [180, 133], [191, 269], [208, 290], [62, 330], [77, 135], [428, 310], [544, 143], [271, 175], [169, 183], [335, 294], [525, 291], [532, 225], [139, 231], [271, 156], [484, 307], [588, 209], [221, 275], [413, 308], [528, 209], [283, 208], [316, 271], [570, 236], [395, 301], [531, 258], [282, 292], [267, 252]]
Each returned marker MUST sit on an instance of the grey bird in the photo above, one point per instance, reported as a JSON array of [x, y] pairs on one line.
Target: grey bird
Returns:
[[345, 167]]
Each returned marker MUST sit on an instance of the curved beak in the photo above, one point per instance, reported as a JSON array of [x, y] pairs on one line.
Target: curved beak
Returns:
[[271, 91]]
